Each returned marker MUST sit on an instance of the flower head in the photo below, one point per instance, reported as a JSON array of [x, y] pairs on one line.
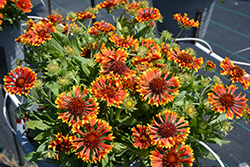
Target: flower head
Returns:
[[235, 73], [121, 41], [55, 18], [61, 143], [85, 15], [77, 106], [224, 100], [1, 16], [109, 5], [19, 80], [107, 55], [168, 130], [184, 21], [173, 157], [158, 86], [147, 51], [108, 88], [25, 5], [102, 27], [2, 3], [185, 59], [141, 136], [148, 14], [93, 143]]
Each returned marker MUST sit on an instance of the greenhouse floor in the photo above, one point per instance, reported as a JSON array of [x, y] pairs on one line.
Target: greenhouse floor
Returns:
[[228, 32]]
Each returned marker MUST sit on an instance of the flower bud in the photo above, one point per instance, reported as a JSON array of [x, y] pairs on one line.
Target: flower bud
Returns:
[[225, 126], [217, 80], [210, 66], [143, 4], [18, 61], [184, 78], [69, 50], [204, 81], [63, 81], [190, 111], [38, 84], [118, 147], [53, 67]]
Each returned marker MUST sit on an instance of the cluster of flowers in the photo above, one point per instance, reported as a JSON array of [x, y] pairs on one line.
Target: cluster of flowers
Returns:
[[114, 93], [12, 11]]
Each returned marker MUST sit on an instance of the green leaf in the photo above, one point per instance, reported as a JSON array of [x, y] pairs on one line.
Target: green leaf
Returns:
[[37, 125], [193, 122], [56, 45], [33, 156], [105, 161], [42, 147], [41, 137], [85, 70], [219, 141], [127, 120], [54, 87], [124, 161], [70, 161], [74, 43]]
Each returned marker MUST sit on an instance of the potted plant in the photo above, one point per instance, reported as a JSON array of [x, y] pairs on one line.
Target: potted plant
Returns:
[[12, 12], [108, 94]]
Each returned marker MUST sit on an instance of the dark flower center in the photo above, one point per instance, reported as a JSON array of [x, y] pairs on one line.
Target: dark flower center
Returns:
[[146, 15], [110, 92], [157, 85], [144, 137], [92, 139], [167, 129], [118, 67], [227, 100], [77, 106], [238, 71], [20, 82], [185, 57], [42, 33], [171, 159]]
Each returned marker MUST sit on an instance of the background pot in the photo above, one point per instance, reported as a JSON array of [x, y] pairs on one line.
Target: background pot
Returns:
[[9, 49], [27, 147], [197, 9]]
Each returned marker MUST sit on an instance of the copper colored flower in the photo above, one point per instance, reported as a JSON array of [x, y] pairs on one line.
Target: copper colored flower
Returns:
[[61, 143], [107, 55], [19, 80], [77, 106], [176, 156], [108, 5], [102, 27], [168, 129], [108, 88], [185, 22], [147, 51], [185, 59], [25, 5], [123, 42], [224, 100], [2, 3], [157, 86], [235, 73], [141, 137], [55, 18], [93, 140], [148, 14], [85, 15]]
